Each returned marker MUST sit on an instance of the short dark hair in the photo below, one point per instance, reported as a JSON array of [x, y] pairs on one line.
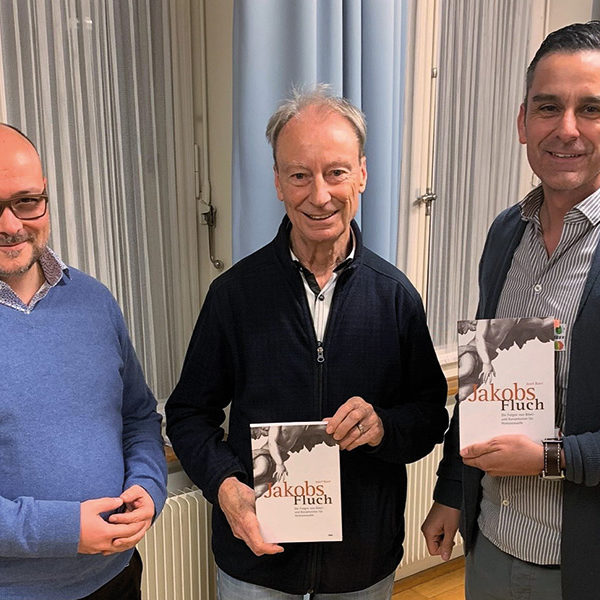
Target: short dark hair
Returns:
[[572, 38]]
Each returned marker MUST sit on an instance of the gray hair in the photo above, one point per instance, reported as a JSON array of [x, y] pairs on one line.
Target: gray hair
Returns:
[[320, 95]]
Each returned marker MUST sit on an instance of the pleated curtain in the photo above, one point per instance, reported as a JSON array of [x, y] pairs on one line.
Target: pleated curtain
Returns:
[[356, 46], [90, 82], [482, 63]]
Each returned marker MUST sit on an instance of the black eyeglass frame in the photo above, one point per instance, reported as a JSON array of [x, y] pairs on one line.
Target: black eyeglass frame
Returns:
[[9, 204]]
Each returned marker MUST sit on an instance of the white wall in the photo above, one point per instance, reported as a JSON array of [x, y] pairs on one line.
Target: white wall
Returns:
[[219, 41], [563, 12]]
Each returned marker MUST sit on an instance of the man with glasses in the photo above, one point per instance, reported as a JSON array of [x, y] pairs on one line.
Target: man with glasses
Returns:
[[82, 469]]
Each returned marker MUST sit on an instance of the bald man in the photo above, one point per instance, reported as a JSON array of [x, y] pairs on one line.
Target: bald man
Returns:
[[82, 470]]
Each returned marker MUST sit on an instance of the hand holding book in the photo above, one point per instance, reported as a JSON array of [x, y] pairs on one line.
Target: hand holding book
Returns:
[[239, 506], [355, 423], [505, 455]]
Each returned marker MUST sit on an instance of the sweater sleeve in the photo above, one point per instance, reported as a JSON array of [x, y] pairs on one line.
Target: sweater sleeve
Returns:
[[143, 451], [582, 458], [31, 528], [414, 425], [195, 409]]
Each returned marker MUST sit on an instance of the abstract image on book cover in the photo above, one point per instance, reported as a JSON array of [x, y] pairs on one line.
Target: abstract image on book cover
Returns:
[[272, 446], [481, 341]]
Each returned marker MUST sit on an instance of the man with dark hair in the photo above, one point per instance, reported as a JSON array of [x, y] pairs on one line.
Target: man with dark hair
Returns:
[[311, 326], [83, 472], [530, 512]]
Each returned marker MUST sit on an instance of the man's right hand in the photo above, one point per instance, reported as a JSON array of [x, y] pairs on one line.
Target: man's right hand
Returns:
[[439, 529], [97, 535], [238, 503]]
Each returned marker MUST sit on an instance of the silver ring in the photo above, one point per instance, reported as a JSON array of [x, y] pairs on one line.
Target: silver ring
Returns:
[[360, 428]]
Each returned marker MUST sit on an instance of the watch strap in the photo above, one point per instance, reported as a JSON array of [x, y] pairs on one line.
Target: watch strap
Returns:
[[552, 457]]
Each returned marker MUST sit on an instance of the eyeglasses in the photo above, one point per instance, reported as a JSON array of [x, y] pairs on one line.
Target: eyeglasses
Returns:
[[27, 207]]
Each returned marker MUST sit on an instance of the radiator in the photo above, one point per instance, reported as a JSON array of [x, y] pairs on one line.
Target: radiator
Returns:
[[421, 481], [178, 562]]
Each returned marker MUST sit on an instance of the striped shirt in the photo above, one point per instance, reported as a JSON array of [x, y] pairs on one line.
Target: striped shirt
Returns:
[[522, 515]]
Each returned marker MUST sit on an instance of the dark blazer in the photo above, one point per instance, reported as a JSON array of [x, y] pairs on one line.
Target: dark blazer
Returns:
[[460, 486]]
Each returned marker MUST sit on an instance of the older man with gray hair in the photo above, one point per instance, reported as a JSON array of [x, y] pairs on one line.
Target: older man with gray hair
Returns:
[[312, 326]]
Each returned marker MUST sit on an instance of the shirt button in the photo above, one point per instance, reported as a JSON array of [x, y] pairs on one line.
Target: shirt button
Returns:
[[505, 502], [321, 297], [537, 288]]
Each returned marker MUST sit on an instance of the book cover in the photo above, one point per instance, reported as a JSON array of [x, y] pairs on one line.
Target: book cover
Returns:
[[297, 482], [506, 378]]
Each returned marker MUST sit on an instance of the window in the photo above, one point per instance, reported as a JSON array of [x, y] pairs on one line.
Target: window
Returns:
[[470, 59]]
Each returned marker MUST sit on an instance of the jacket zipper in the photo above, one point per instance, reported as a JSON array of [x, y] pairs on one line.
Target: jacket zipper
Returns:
[[316, 550], [320, 357], [320, 353], [320, 363]]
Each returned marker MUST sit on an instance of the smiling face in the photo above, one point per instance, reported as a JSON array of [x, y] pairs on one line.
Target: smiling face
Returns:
[[319, 176], [21, 242], [561, 124]]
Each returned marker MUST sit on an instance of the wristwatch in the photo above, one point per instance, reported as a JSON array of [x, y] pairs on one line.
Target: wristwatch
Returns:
[[552, 455]]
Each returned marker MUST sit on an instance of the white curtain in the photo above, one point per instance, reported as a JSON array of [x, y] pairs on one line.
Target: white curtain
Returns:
[[90, 82], [483, 58]]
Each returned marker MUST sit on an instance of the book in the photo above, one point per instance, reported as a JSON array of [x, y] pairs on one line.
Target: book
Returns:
[[506, 378], [296, 468]]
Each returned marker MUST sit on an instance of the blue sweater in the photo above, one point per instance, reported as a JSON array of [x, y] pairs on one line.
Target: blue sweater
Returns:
[[77, 422]]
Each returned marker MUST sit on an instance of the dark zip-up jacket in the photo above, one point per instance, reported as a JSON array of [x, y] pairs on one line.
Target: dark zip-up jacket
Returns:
[[459, 486], [254, 346]]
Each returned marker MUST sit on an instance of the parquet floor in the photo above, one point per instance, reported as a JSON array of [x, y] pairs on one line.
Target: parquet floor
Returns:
[[444, 582]]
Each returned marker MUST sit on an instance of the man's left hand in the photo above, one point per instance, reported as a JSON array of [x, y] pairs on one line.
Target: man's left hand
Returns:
[[355, 423], [505, 455], [139, 508]]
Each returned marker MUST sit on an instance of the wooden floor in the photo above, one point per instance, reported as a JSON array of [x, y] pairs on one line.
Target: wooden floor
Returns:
[[444, 582]]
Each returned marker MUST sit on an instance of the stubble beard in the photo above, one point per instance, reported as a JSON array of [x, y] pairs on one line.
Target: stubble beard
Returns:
[[37, 249]]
